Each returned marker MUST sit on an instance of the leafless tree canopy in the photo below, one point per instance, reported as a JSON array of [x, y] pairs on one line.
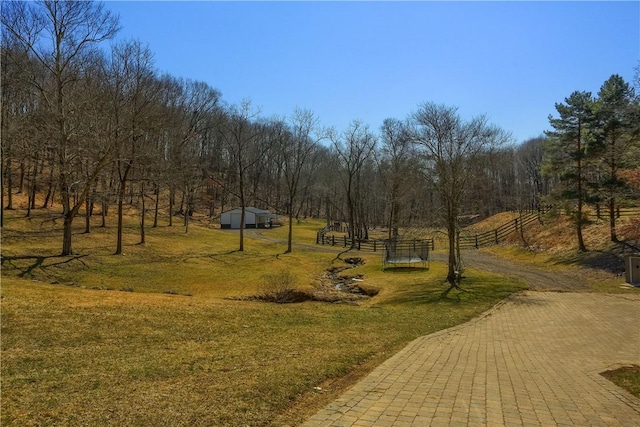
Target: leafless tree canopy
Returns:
[[88, 130]]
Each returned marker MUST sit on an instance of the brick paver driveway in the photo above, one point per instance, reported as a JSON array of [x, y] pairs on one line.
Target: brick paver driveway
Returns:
[[533, 360]]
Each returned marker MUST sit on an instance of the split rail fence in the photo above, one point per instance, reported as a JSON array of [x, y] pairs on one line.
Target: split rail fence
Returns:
[[468, 240]]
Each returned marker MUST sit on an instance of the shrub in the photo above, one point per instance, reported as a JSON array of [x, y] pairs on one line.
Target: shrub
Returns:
[[278, 288]]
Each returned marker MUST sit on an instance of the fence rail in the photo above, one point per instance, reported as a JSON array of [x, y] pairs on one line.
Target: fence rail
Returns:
[[371, 245], [603, 213], [494, 237], [468, 240]]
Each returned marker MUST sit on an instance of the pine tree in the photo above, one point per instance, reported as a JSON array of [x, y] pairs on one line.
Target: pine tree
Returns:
[[614, 128], [568, 150]]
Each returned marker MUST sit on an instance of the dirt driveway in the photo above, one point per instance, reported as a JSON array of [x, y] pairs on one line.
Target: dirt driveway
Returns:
[[538, 280]]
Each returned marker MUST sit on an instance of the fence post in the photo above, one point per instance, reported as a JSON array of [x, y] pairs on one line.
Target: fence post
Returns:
[[374, 246], [476, 241], [516, 222], [345, 241], [496, 234]]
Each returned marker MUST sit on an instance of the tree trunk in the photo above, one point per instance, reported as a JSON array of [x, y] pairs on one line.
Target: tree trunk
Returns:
[[142, 212], [66, 234], [9, 173], [87, 216], [49, 194], [103, 212], [612, 219], [185, 206], [119, 227], [581, 245], [290, 236], [21, 182], [121, 195], [453, 264], [33, 188], [30, 193], [172, 197], [1, 192], [155, 210], [242, 206], [242, 221], [352, 216], [579, 220]]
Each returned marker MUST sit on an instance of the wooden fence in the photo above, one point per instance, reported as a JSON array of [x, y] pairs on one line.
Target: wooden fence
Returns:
[[361, 245], [494, 237], [467, 239], [603, 212]]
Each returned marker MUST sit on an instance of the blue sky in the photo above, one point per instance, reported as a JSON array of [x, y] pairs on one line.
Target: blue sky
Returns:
[[372, 60]]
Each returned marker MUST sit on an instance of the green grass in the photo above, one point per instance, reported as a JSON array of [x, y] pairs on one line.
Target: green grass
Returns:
[[75, 353], [627, 377]]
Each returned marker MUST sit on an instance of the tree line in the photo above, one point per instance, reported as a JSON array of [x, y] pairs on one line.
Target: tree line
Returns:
[[593, 151], [91, 128]]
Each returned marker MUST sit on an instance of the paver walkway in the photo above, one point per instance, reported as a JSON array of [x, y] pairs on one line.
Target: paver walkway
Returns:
[[532, 361]]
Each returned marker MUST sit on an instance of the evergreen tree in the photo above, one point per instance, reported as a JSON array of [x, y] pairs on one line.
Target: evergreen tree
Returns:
[[567, 153], [614, 132]]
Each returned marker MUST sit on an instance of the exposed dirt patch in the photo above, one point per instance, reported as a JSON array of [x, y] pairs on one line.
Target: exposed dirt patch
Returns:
[[336, 287], [354, 261], [332, 286]]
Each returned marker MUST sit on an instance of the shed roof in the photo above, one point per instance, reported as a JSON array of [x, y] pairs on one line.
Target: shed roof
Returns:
[[251, 209]]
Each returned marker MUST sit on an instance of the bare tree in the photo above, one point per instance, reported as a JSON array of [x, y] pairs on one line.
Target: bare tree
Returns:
[[353, 147], [397, 154], [297, 149], [19, 113], [449, 145], [60, 35], [240, 135], [133, 87], [530, 157]]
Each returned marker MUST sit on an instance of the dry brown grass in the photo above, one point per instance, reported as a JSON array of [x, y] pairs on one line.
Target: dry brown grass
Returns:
[[76, 353], [552, 244]]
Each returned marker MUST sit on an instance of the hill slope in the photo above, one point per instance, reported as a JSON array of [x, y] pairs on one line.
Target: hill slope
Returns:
[[553, 240]]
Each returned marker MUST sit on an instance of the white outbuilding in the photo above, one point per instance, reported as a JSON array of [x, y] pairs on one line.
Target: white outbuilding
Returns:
[[253, 218]]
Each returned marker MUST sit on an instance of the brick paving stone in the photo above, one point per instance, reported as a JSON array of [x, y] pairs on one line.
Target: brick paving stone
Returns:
[[534, 360]]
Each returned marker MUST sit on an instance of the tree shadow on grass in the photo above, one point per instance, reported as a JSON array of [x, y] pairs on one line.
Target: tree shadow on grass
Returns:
[[599, 260], [472, 290], [425, 294], [38, 261], [405, 270], [610, 259]]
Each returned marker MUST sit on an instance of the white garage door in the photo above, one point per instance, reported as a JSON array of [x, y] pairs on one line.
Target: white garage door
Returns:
[[235, 220]]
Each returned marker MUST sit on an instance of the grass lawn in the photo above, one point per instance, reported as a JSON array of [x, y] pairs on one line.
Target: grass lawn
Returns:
[[76, 350], [627, 377]]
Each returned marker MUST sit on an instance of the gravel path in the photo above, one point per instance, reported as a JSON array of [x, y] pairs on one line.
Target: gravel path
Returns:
[[538, 280]]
